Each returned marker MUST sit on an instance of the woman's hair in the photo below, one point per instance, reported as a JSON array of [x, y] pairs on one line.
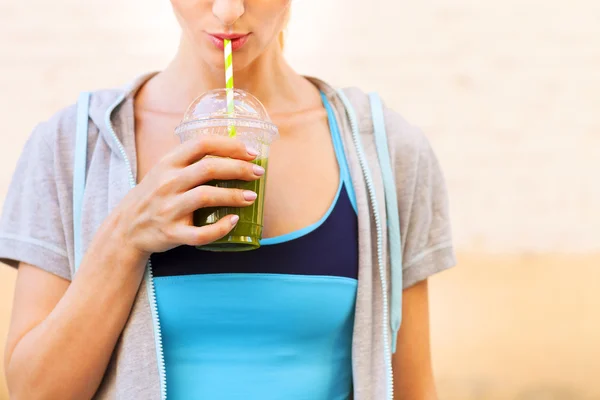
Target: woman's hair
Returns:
[[281, 37]]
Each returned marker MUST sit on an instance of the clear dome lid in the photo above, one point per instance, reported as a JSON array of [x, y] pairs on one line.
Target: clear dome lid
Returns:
[[210, 110]]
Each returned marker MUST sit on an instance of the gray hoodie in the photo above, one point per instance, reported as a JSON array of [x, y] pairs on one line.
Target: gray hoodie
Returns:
[[37, 226]]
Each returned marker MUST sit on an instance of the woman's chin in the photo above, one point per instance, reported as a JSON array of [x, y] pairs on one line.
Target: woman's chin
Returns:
[[216, 60]]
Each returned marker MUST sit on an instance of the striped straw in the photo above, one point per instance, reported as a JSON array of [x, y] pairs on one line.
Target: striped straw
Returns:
[[229, 82]]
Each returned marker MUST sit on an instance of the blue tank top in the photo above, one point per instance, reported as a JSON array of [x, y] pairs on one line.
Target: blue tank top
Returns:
[[273, 323]]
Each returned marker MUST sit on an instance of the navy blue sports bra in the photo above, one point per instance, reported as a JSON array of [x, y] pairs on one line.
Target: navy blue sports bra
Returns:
[[273, 323]]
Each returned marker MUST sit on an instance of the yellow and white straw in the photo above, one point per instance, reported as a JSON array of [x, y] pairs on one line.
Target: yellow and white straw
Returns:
[[229, 82]]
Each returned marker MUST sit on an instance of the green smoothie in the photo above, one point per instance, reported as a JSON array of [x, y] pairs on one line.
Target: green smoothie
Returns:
[[247, 232], [209, 115]]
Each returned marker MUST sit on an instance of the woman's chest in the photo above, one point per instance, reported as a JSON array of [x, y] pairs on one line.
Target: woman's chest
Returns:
[[302, 179]]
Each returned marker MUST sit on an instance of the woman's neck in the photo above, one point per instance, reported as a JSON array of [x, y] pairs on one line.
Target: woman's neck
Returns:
[[269, 77]]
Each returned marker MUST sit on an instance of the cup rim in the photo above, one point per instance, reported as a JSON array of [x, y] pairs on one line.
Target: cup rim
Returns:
[[269, 127]]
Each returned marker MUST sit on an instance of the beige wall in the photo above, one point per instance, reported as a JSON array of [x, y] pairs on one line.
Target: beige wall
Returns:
[[507, 91]]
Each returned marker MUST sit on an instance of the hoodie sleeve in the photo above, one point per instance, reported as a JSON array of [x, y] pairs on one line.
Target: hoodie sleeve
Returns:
[[422, 200], [31, 226]]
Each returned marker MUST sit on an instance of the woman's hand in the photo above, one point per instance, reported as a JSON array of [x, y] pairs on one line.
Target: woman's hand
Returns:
[[156, 215]]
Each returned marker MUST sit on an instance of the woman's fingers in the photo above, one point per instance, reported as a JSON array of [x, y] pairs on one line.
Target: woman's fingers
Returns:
[[175, 188], [211, 196], [199, 236], [195, 149], [217, 168]]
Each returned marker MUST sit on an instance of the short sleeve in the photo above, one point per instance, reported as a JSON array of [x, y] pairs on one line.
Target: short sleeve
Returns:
[[31, 227], [423, 203]]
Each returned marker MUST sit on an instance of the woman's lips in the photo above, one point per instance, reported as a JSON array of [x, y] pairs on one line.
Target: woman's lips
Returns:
[[237, 41]]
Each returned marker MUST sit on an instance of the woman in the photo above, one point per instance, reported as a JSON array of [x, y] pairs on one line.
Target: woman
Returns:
[[303, 317]]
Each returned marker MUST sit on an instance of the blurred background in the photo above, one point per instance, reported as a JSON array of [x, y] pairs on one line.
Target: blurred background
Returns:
[[508, 93]]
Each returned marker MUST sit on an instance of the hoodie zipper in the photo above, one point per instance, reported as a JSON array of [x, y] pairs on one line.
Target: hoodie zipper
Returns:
[[160, 356], [375, 209], [148, 276]]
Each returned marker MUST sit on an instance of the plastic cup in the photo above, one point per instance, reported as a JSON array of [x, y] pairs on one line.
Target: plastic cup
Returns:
[[208, 115]]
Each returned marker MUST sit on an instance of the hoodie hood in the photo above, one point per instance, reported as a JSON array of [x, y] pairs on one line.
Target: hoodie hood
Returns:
[[117, 128]]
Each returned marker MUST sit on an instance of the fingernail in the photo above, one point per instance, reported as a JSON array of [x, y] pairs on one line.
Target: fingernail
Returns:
[[234, 219], [258, 170], [252, 151], [249, 195]]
